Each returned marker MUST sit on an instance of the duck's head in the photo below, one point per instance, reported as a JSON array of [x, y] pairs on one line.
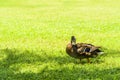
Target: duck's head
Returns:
[[73, 40]]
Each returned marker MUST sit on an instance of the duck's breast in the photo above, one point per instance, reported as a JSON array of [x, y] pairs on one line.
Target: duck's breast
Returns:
[[70, 51]]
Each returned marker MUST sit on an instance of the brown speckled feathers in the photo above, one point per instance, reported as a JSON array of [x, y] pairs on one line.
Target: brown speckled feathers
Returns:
[[82, 50]]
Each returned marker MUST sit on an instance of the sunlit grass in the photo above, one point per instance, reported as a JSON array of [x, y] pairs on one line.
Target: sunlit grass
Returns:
[[34, 34]]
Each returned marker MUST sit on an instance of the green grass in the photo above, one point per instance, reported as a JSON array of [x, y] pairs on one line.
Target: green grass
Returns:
[[34, 35]]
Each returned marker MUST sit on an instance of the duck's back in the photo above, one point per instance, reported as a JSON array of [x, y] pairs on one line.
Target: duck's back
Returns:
[[87, 50]]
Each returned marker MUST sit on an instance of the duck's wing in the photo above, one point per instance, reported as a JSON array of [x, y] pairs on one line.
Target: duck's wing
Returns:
[[90, 47], [84, 47], [79, 45], [81, 48]]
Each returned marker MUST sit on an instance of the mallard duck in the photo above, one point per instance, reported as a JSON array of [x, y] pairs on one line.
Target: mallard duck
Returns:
[[82, 50]]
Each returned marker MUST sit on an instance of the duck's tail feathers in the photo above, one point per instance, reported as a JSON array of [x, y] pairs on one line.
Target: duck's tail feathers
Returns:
[[100, 53], [95, 49]]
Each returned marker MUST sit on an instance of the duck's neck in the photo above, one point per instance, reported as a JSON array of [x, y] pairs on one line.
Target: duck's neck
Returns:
[[74, 48]]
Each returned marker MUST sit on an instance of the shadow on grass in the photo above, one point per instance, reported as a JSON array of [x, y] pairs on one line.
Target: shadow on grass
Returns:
[[15, 56], [72, 74], [65, 73]]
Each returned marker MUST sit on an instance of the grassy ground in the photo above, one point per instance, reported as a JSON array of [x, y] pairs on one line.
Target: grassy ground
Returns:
[[34, 34]]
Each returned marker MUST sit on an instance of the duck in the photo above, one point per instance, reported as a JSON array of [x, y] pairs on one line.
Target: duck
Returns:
[[82, 50]]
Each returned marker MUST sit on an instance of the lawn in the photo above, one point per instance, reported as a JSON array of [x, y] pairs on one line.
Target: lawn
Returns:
[[34, 35]]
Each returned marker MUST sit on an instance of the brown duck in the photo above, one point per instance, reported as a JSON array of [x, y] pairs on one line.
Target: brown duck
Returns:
[[82, 50]]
